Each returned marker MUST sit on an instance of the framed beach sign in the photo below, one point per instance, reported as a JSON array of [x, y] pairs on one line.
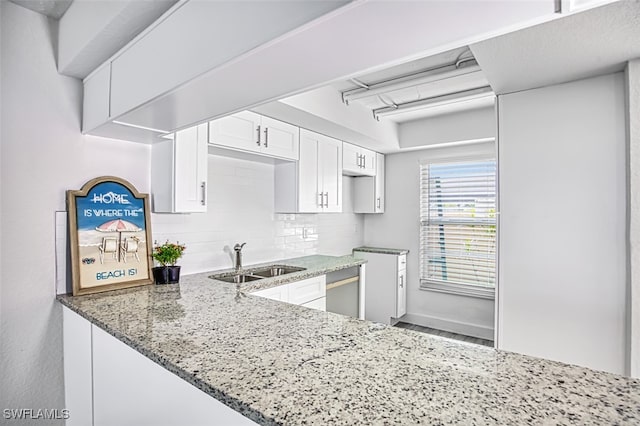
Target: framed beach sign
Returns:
[[110, 234]]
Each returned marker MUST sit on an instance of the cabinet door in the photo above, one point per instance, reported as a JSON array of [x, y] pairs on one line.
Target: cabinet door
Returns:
[[130, 389], [239, 131], [305, 291], [319, 304], [379, 184], [190, 184], [350, 158], [401, 295], [308, 183], [280, 293], [330, 173], [280, 139], [367, 162]]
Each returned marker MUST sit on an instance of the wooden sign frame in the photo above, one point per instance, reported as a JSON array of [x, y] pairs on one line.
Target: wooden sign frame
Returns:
[[110, 235]]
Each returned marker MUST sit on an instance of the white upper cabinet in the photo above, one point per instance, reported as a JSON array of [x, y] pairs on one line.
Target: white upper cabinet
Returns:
[[330, 173], [179, 172], [358, 161], [314, 183], [369, 192], [280, 139], [238, 131], [250, 132]]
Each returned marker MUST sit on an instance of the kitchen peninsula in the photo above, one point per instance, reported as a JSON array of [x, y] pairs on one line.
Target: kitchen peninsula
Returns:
[[278, 363]]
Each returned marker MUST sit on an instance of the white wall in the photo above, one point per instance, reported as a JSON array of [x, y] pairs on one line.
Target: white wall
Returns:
[[446, 128], [241, 205], [399, 227], [633, 135], [562, 272], [42, 154]]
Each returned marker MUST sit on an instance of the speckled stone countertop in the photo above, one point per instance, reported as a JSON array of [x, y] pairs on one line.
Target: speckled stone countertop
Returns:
[[382, 250], [278, 363]]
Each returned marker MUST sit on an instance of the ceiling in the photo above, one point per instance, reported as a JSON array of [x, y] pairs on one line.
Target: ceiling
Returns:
[[584, 43], [51, 8], [426, 80], [593, 42]]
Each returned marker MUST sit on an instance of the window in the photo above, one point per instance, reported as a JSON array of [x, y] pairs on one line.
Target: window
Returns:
[[458, 227]]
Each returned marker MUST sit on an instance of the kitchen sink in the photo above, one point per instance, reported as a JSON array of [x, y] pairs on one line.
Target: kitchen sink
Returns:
[[257, 274], [276, 270], [237, 278]]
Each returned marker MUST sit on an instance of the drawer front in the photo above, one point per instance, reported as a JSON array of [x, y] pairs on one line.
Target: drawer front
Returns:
[[280, 293], [319, 304], [305, 291], [402, 262]]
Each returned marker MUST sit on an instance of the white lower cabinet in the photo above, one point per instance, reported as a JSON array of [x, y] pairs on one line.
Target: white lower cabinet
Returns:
[[310, 293], [386, 291], [280, 293], [127, 387], [319, 304]]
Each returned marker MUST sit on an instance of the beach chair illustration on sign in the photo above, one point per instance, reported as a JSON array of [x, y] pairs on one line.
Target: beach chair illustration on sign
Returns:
[[129, 246], [109, 246]]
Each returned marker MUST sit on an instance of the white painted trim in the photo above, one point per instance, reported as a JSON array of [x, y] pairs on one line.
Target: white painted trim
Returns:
[[498, 300], [441, 145], [458, 289], [452, 326], [632, 361]]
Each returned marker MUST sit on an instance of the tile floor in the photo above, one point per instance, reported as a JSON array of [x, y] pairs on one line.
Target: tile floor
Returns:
[[447, 334]]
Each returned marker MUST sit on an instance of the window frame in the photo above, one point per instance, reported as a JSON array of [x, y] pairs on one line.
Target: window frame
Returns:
[[459, 288]]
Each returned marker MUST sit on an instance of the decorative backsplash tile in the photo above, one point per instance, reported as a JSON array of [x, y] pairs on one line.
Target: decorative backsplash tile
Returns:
[[241, 205]]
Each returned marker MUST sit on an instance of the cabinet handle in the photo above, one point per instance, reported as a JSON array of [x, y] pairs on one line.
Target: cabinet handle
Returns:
[[258, 141], [326, 194], [357, 159], [364, 161], [321, 203], [401, 281], [203, 185], [378, 203], [266, 137]]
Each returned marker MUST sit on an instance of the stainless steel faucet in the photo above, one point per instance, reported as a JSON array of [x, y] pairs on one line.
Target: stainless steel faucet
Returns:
[[238, 249]]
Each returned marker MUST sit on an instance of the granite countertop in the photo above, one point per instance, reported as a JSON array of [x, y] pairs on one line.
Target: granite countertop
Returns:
[[382, 250], [278, 363]]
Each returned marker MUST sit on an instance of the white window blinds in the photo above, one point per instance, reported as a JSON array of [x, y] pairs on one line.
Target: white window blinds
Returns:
[[458, 224]]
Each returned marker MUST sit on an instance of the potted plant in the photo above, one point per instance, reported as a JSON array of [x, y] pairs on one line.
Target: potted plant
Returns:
[[167, 255]]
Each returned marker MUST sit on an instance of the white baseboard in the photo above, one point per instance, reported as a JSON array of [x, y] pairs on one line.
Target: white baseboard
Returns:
[[467, 329]]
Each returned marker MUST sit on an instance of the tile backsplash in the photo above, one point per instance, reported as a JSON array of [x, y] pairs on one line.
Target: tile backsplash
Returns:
[[241, 209]]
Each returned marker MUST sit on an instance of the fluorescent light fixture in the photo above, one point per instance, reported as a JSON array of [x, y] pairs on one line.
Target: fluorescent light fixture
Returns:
[[480, 95], [122, 123], [424, 77]]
